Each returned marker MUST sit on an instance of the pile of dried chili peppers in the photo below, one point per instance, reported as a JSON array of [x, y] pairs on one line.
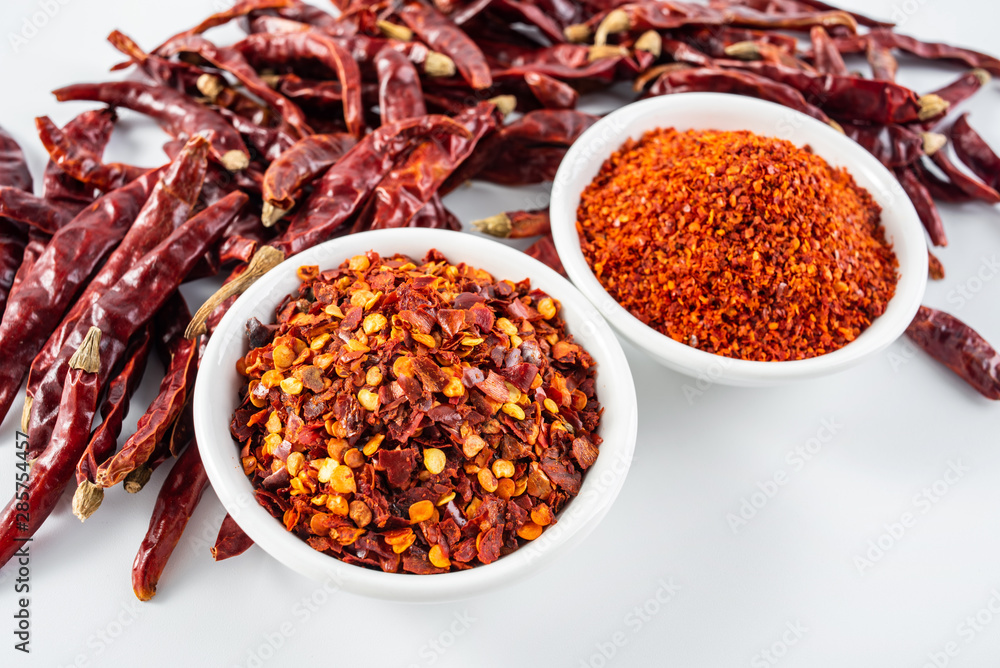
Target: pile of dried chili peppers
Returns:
[[737, 244], [363, 115], [416, 418]]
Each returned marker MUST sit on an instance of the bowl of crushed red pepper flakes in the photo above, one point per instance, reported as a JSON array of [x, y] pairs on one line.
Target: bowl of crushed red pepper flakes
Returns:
[[403, 418], [732, 254]]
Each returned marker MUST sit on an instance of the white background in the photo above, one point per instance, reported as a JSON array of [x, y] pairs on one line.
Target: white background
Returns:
[[900, 422]]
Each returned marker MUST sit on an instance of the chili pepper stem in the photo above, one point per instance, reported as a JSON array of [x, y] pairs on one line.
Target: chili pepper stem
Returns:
[[87, 499], [601, 51], [88, 355], [497, 226], [265, 259], [26, 413], [615, 22], [439, 65], [271, 214], [578, 33], [651, 42], [137, 479], [210, 85], [981, 74], [505, 104], [931, 106], [394, 31], [933, 142], [743, 51], [235, 160]]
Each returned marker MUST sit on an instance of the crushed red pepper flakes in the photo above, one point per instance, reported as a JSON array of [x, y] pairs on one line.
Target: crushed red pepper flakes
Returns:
[[737, 244], [439, 418]]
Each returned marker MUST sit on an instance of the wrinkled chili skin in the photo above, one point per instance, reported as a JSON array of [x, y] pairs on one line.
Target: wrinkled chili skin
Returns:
[[178, 114], [298, 166], [232, 541], [894, 145], [36, 305], [400, 95], [924, 204], [975, 153], [439, 428], [551, 93], [14, 174], [969, 185], [182, 490], [91, 131], [21, 208], [442, 35], [956, 345], [736, 244], [80, 163]]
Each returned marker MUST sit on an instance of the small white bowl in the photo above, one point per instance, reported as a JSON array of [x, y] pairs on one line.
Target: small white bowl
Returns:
[[733, 112], [216, 398]]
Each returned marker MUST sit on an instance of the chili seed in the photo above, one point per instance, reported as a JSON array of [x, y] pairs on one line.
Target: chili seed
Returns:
[[424, 339], [374, 323], [472, 445], [368, 400], [405, 545], [359, 263], [295, 462], [271, 379], [542, 515], [372, 446], [487, 480], [337, 505], [445, 499], [472, 341], [354, 458], [454, 388], [373, 377], [249, 464], [319, 342], [420, 511], [360, 513], [503, 468], [434, 460], [547, 308], [403, 366], [550, 405], [291, 386], [505, 488], [513, 410], [273, 422], [529, 531], [283, 357], [326, 469], [506, 326], [342, 480], [437, 557]]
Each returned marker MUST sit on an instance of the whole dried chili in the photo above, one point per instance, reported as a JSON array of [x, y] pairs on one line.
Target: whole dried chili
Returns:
[[296, 167], [956, 345], [308, 45], [440, 34], [104, 440], [156, 422], [36, 212], [894, 145], [544, 250], [169, 204], [884, 65], [551, 93], [80, 163], [969, 185], [736, 244], [826, 57], [935, 270], [238, 10], [13, 244], [176, 502], [975, 153], [232, 541], [348, 184], [178, 114], [437, 429], [962, 88], [400, 95], [15, 178], [53, 469], [91, 131], [515, 224], [924, 204], [36, 305]]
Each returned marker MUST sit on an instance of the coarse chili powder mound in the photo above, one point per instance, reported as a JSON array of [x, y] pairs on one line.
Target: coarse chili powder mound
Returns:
[[737, 244], [415, 418]]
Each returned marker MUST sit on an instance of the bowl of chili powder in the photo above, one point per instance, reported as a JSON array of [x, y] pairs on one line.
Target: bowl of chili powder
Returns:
[[341, 495], [738, 240]]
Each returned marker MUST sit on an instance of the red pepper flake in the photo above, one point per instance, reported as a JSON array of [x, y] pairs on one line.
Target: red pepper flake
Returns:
[[737, 244], [413, 418]]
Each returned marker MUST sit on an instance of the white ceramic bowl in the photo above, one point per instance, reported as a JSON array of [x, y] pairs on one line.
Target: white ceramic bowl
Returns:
[[732, 112], [215, 399]]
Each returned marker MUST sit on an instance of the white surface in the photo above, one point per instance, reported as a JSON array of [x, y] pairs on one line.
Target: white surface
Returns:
[[714, 111], [900, 421], [218, 387]]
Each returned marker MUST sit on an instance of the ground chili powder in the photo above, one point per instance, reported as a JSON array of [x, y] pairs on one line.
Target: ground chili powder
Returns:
[[737, 244]]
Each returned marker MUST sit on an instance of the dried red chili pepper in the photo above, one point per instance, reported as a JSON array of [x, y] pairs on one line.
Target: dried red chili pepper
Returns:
[[13, 242], [937, 51], [81, 164], [13, 167], [15, 184], [35, 212], [178, 114], [924, 204], [935, 270], [938, 188], [238, 10], [91, 130], [296, 167], [884, 65], [956, 345], [964, 87], [400, 95], [439, 33], [182, 490], [559, 127], [36, 304], [155, 423], [550, 92], [53, 469], [515, 224], [969, 185], [307, 45], [181, 76], [522, 165], [718, 266], [103, 442], [826, 57], [544, 250], [232, 541], [975, 153], [348, 184], [894, 145]]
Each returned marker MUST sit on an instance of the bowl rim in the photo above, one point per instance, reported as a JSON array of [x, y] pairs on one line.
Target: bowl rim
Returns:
[[597, 493], [599, 141]]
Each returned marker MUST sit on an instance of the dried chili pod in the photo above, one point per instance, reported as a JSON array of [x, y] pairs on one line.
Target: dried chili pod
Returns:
[[170, 203], [959, 347], [36, 212], [182, 490], [938, 188], [232, 541], [935, 270], [16, 184], [13, 243], [308, 45], [53, 469], [104, 440], [238, 10], [13, 167], [297, 167], [515, 224], [155, 423], [439, 33], [924, 204], [826, 57], [969, 185], [181, 76], [894, 145], [347, 185], [937, 51], [544, 250], [522, 165], [232, 61], [91, 131], [559, 127], [964, 87], [884, 65], [550, 92], [80, 163], [400, 95], [178, 114], [36, 305], [975, 153]]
